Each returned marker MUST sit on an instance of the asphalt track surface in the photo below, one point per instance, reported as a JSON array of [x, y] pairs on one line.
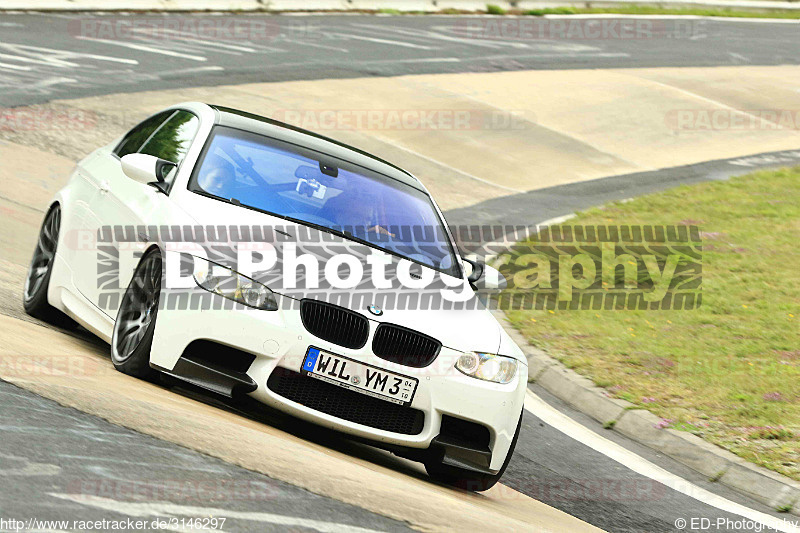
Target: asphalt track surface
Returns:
[[48, 56], [84, 468], [72, 447]]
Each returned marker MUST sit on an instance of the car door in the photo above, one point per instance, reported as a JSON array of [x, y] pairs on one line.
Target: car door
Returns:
[[122, 206], [99, 171]]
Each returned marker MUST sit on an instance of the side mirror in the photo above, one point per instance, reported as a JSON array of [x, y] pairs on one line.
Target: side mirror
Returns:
[[145, 168], [484, 278], [474, 270]]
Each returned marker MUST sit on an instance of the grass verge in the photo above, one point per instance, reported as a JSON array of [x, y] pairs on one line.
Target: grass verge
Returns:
[[654, 10], [728, 371], [493, 9]]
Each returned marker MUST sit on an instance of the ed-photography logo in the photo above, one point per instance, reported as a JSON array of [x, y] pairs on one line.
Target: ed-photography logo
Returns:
[[562, 267], [767, 524], [605, 267]]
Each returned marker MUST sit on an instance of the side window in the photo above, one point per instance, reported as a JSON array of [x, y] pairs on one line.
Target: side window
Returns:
[[172, 139], [138, 136]]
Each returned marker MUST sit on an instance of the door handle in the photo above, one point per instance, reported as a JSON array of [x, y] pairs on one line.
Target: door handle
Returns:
[[104, 187]]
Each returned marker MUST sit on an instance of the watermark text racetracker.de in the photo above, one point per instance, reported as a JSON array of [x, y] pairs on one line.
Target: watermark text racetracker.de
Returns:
[[579, 29], [67, 119], [408, 267], [60, 365], [406, 119], [732, 119], [187, 29], [105, 524]]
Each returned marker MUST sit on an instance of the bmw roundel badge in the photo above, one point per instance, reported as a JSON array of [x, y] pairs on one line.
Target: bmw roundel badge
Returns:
[[375, 310]]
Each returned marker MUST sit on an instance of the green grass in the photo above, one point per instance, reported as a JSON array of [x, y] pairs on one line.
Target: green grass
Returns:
[[654, 10], [716, 477], [552, 11], [730, 370], [493, 9]]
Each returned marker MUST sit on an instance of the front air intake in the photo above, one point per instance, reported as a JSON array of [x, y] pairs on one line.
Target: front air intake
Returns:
[[346, 404]]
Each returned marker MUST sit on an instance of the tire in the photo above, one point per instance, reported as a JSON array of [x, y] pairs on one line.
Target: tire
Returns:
[[37, 280], [136, 319], [466, 479]]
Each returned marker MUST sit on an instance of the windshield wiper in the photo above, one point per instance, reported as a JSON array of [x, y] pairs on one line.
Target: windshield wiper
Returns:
[[333, 231]]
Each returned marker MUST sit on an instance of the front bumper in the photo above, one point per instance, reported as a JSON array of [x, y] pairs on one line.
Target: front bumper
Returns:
[[279, 340]]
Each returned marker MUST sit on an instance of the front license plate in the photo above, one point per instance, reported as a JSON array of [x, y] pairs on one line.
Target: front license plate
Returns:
[[359, 377]]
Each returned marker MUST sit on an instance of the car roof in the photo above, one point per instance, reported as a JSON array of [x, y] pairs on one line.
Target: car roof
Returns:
[[276, 129]]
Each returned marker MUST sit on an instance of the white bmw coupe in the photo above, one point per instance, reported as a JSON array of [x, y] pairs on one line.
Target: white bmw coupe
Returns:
[[440, 383]]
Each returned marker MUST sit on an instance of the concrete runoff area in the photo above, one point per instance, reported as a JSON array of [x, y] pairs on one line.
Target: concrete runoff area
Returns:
[[77, 55], [500, 132]]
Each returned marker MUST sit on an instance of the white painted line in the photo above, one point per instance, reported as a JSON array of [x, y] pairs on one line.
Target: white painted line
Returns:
[[428, 36], [449, 38], [407, 33], [383, 41], [538, 44], [109, 58], [191, 70], [558, 420], [264, 48], [532, 230], [49, 82], [415, 60], [184, 46], [179, 36], [167, 509], [221, 45], [548, 55], [48, 62], [555, 221], [142, 48], [56, 57], [86, 459], [224, 46], [315, 45], [430, 60], [13, 67]]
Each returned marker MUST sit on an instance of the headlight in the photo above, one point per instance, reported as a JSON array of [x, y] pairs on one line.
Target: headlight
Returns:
[[233, 286], [488, 367]]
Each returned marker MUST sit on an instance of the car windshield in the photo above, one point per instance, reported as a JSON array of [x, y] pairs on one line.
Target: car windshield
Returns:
[[309, 187]]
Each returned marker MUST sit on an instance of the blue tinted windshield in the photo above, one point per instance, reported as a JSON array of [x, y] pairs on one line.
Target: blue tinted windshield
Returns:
[[287, 181]]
